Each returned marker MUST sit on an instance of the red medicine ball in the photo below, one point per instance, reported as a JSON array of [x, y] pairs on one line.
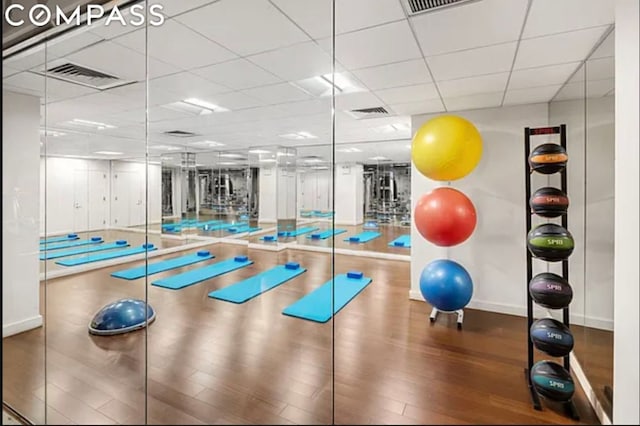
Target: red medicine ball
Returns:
[[445, 217]]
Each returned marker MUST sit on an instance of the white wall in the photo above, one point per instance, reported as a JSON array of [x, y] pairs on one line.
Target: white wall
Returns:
[[495, 255], [349, 194], [20, 213], [267, 197], [314, 190], [286, 193], [69, 193], [626, 335]]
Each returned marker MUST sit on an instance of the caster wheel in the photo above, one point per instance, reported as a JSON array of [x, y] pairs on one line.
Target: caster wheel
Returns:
[[459, 326]]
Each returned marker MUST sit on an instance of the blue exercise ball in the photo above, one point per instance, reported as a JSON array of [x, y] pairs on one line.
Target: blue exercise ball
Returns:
[[446, 285], [121, 316]]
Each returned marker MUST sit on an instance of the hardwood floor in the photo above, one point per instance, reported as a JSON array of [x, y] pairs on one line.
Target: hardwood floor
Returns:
[[212, 362]]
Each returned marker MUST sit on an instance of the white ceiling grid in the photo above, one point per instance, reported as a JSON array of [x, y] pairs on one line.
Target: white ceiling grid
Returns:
[[251, 57]]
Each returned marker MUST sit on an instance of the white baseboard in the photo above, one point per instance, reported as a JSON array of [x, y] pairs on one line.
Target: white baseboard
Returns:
[[232, 240], [268, 247], [576, 368], [521, 311], [21, 326], [348, 252]]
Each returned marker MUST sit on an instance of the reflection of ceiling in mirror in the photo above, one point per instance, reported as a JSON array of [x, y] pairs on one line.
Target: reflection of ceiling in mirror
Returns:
[[269, 84]]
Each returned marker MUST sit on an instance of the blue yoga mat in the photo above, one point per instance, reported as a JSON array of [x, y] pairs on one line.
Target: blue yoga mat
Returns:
[[402, 241], [325, 234], [69, 237], [219, 226], [269, 238], [163, 265], [73, 243], [363, 237], [254, 286], [316, 306], [105, 256], [243, 228], [83, 250], [297, 232], [194, 276]]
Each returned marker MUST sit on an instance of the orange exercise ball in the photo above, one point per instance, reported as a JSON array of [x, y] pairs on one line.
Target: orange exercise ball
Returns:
[[446, 148], [445, 217]]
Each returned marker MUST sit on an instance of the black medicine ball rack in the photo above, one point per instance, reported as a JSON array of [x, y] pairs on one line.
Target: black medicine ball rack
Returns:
[[569, 407]]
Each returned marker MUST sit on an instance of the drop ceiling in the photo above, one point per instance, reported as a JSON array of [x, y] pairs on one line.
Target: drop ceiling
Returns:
[[262, 60]]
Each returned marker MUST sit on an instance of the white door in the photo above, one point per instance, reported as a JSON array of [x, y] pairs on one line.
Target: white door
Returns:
[[98, 199], [80, 201], [120, 204]]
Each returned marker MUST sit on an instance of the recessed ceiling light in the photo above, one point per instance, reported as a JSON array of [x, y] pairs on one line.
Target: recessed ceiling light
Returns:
[[378, 158], [286, 154], [93, 124], [322, 85], [231, 155], [258, 151], [108, 153], [166, 147], [298, 136], [195, 106], [228, 163], [52, 133], [320, 168], [313, 160], [267, 160], [207, 143], [204, 105], [349, 150]]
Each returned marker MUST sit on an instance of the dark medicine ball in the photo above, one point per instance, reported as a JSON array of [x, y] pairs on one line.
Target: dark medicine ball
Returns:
[[552, 381], [550, 291], [550, 242], [548, 158], [549, 202], [551, 337]]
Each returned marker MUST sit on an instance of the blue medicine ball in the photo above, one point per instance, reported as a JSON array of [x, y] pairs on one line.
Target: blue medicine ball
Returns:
[[446, 285]]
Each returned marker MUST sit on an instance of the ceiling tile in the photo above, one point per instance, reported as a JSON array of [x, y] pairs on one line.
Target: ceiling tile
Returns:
[[7, 71], [234, 100], [295, 62], [314, 17], [237, 74], [55, 89], [531, 95], [186, 85], [400, 95], [315, 106], [473, 85], [168, 43], [606, 49], [421, 107], [571, 91], [557, 49], [553, 16], [245, 27], [598, 88], [68, 44], [600, 69], [482, 100], [468, 63], [375, 46], [471, 25], [394, 75], [542, 76], [277, 93]]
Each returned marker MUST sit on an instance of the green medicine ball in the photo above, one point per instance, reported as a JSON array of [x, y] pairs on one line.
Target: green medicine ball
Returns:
[[550, 242]]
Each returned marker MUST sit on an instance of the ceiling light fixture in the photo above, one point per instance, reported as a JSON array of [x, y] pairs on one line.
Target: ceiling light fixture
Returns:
[[378, 158], [298, 136], [207, 143], [267, 160], [258, 151], [349, 150], [95, 124], [108, 153], [166, 147], [231, 155]]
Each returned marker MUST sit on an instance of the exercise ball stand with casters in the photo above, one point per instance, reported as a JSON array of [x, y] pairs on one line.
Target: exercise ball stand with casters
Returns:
[[435, 311]]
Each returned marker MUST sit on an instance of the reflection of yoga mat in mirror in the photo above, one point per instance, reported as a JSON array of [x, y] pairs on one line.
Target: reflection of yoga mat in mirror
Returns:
[[163, 265], [195, 276], [403, 241], [363, 237], [69, 244], [299, 231], [111, 254], [326, 234], [316, 306], [254, 286], [83, 250], [68, 237], [241, 229], [269, 238]]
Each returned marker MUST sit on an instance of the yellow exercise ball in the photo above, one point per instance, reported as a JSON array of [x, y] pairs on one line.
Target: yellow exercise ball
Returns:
[[446, 148]]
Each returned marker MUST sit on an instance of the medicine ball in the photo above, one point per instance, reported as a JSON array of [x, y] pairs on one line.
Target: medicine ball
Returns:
[[550, 291], [549, 202], [551, 337], [550, 242], [552, 381], [548, 158]]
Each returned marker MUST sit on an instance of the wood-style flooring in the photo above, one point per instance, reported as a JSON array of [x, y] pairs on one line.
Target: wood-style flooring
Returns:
[[211, 362]]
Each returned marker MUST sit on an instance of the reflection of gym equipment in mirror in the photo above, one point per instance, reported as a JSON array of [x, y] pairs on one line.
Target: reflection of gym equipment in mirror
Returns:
[[167, 192], [226, 191], [387, 193]]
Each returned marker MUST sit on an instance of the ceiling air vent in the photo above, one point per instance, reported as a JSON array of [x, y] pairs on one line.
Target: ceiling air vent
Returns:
[[77, 74], [179, 133], [368, 113], [420, 6]]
